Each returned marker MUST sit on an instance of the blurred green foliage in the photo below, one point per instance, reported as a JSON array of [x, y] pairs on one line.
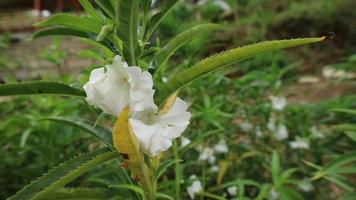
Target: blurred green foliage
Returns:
[[260, 166]]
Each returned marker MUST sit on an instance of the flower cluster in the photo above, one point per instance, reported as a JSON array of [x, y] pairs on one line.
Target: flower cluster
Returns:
[[208, 154], [117, 86]]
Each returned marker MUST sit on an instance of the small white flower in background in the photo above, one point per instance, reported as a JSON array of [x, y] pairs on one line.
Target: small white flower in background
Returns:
[[278, 102], [271, 125], [281, 132], [221, 147], [45, 13], [258, 132], [207, 155], [330, 72], [214, 168], [220, 3], [315, 133], [119, 86], [306, 185], [299, 143], [274, 194], [223, 5], [193, 177], [199, 148], [184, 142], [246, 126], [308, 79], [194, 189], [155, 132], [164, 79], [232, 190]]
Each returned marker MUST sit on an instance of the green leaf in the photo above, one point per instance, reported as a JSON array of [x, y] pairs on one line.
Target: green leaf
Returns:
[[90, 10], [63, 174], [163, 167], [332, 166], [99, 132], [105, 32], [39, 87], [351, 135], [348, 111], [79, 193], [106, 6], [127, 25], [182, 38], [157, 18], [109, 54], [344, 127], [288, 193], [341, 160], [226, 58], [78, 23], [341, 181], [129, 187], [164, 196], [86, 37], [211, 196], [288, 173], [59, 31], [348, 196], [345, 170], [275, 165]]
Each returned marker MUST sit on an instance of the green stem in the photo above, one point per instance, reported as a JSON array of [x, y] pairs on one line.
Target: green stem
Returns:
[[145, 175], [203, 180], [211, 196], [177, 169]]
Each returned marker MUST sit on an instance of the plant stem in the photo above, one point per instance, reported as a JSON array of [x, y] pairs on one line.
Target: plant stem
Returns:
[[177, 170]]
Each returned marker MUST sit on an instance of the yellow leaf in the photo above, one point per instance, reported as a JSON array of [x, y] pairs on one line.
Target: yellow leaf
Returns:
[[169, 103], [124, 140], [223, 166], [126, 144]]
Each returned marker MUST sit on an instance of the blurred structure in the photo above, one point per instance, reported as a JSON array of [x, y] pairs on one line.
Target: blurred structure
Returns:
[[21, 59], [19, 15]]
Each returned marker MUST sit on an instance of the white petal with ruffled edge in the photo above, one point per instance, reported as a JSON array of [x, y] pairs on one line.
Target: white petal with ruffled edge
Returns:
[[154, 132], [119, 87]]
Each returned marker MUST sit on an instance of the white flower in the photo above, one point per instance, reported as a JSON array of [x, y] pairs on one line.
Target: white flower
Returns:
[[185, 141], [246, 126], [274, 194], [299, 143], [214, 168], [45, 13], [278, 102], [329, 73], [221, 147], [223, 5], [119, 86], [220, 3], [193, 177], [207, 155], [281, 132], [258, 132], [194, 189], [271, 125], [232, 190], [199, 148], [306, 185], [308, 79], [155, 132], [315, 133], [164, 79]]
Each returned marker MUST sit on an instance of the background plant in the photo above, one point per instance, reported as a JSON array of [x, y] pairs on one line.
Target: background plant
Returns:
[[212, 110]]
